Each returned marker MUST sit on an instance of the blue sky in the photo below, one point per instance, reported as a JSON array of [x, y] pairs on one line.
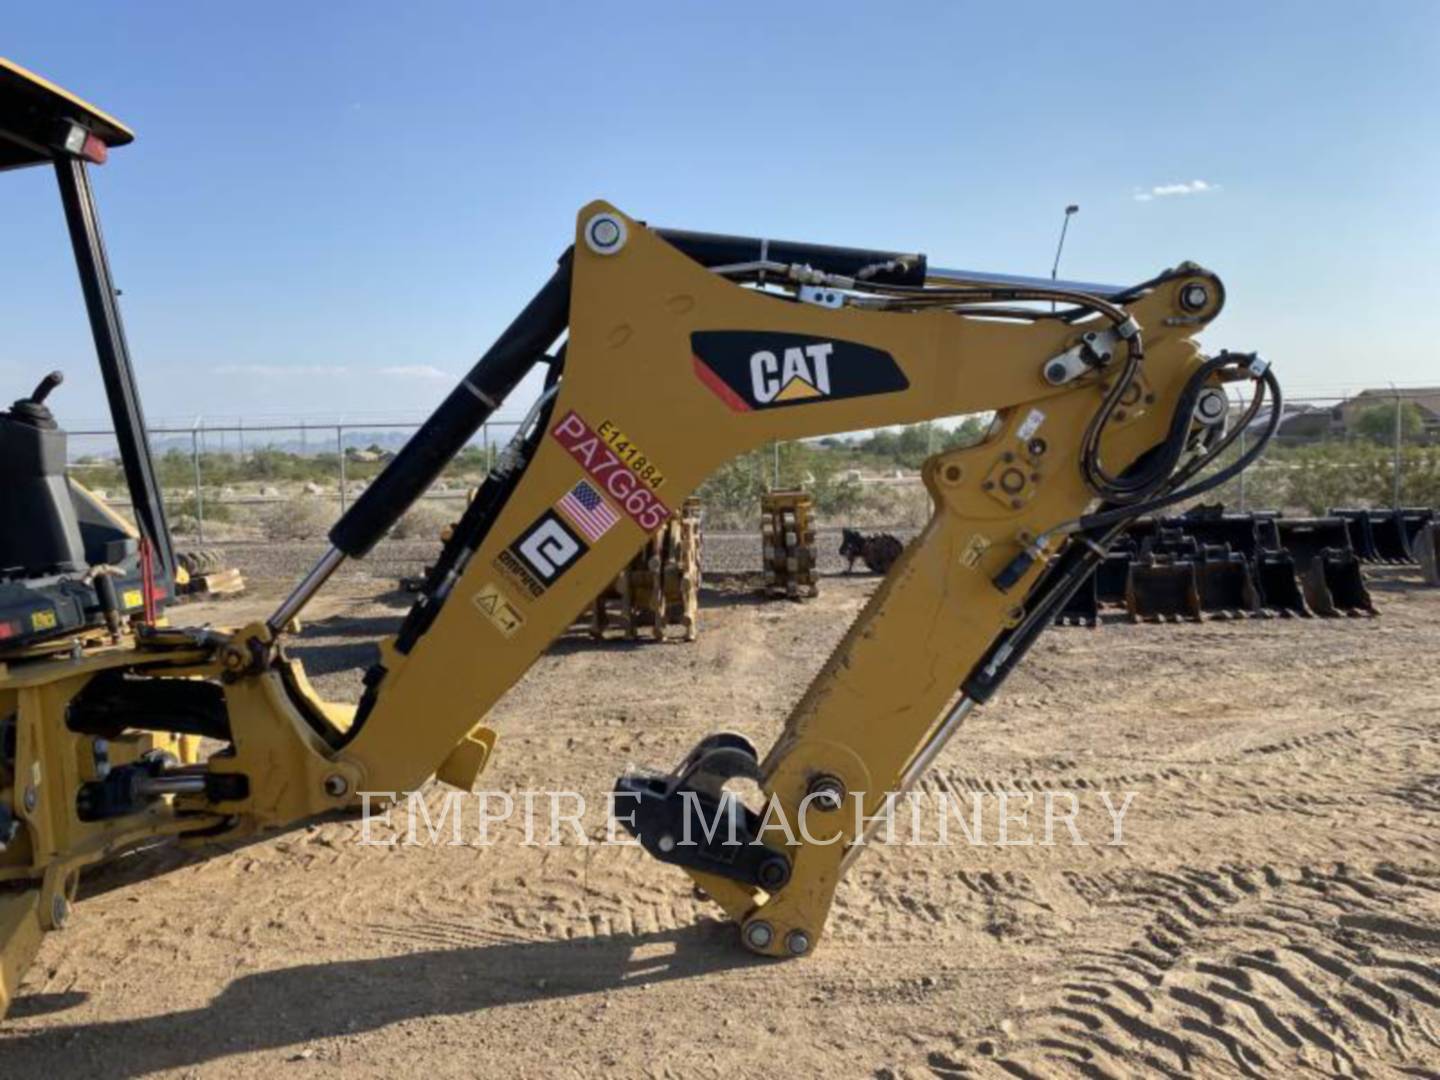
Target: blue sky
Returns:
[[334, 207]]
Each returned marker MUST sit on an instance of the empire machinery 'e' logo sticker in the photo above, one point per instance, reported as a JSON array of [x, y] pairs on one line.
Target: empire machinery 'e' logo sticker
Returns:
[[633, 490], [542, 553], [756, 369]]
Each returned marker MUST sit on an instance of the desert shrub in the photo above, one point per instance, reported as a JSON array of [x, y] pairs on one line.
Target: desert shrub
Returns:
[[425, 521], [214, 509], [1319, 477], [297, 519], [1316, 478], [1420, 477], [731, 493], [893, 505], [910, 445], [183, 524], [837, 494]]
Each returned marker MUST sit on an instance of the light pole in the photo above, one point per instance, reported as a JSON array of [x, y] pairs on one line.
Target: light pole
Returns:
[[1073, 208]]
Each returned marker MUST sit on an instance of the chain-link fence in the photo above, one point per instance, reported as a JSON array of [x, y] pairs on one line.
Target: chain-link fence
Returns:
[[277, 480], [291, 479], [1374, 449]]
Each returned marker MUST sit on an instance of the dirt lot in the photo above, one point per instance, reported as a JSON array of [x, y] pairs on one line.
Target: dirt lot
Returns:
[[1275, 908]]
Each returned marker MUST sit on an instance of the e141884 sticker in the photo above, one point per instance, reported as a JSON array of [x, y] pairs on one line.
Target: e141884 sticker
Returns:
[[635, 458]]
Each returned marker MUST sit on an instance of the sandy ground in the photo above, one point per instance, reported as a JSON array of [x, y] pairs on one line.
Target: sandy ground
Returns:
[[1274, 910]]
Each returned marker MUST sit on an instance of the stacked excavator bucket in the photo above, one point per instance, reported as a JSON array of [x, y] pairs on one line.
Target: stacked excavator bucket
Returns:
[[1180, 572], [1209, 562], [661, 586], [1161, 583], [1407, 536], [1227, 582], [1163, 588], [1426, 547], [1279, 588], [787, 537], [1327, 566]]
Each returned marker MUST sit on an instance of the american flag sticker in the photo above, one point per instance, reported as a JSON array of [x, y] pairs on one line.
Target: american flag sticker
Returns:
[[587, 510]]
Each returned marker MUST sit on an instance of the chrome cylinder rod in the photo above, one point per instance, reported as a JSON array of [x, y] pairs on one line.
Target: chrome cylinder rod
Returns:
[[941, 276], [164, 784], [917, 768], [305, 590]]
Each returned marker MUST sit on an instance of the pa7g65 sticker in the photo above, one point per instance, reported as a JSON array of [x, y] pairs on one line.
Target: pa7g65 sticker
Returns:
[[760, 369], [611, 471]]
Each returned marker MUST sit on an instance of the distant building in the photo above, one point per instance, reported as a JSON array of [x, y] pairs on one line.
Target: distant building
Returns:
[[1302, 423], [1425, 399], [1298, 423]]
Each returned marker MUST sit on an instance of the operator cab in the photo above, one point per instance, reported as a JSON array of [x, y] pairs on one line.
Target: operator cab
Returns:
[[68, 563]]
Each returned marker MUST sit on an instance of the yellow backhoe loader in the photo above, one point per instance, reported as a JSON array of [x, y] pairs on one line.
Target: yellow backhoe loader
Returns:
[[681, 350]]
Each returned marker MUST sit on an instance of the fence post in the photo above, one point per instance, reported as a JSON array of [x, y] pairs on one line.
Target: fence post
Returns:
[[340, 448], [340, 445], [1398, 415], [1243, 434], [199, 497], [776, 446]]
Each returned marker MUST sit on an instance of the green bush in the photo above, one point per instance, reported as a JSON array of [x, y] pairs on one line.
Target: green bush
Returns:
[[1377, 423], [1314, 479]]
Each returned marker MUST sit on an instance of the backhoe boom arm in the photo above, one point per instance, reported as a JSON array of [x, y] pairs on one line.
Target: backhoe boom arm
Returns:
[[680, 351], [671, 368]]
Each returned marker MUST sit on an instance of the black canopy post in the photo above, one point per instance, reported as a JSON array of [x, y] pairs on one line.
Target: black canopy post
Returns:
[[114, 356]]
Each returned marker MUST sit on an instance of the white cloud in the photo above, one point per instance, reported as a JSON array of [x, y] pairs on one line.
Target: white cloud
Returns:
[[415, 371], [270, 370], [1160, 191]]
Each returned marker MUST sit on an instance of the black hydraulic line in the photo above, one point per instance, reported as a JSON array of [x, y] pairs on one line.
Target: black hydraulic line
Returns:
[[879, 267], [1103, 519], [1062, 579], [454, 423], [1079, 558], [474, 525], [114, 356], [1087, 547]]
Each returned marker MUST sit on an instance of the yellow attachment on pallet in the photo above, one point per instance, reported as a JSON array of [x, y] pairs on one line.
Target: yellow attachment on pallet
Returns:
[[787, 539], [661, 585]]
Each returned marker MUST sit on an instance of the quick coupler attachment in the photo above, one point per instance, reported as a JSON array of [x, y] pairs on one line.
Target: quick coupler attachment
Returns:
[[688, 819]]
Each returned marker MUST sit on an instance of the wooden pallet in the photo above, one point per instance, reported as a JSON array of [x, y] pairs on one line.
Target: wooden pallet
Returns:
[[228, 582]]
